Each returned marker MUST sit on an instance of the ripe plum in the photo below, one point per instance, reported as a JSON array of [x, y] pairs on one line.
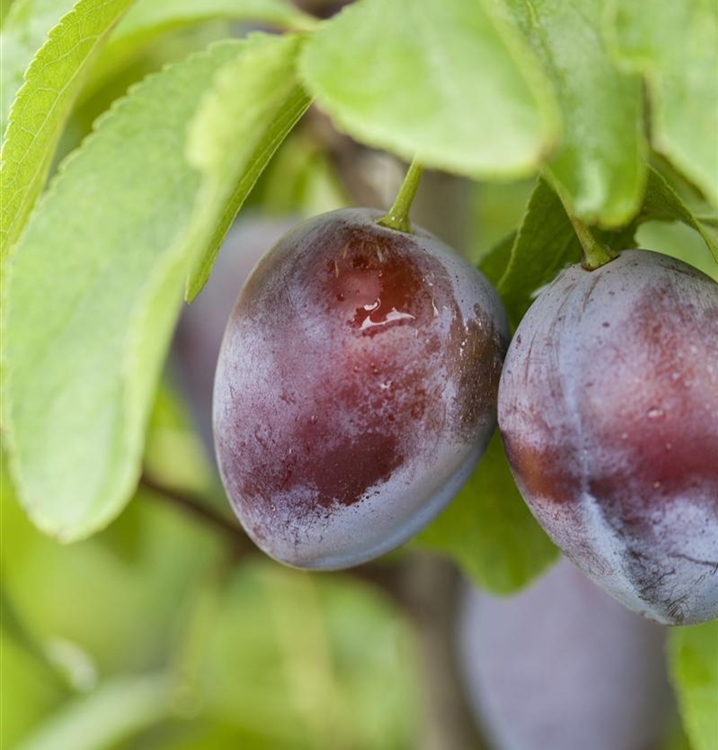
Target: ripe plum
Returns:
[[608, 408], [356, 388]]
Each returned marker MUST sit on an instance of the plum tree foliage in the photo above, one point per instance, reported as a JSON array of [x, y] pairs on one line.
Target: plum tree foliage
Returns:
[[358, 384]]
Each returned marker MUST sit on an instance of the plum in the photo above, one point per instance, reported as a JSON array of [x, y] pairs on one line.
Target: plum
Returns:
[[608, 408], [564, 666], [355, 389]]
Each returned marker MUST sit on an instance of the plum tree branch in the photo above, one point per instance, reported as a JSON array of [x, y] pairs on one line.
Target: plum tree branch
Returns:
[[431, 593], [200, 509]]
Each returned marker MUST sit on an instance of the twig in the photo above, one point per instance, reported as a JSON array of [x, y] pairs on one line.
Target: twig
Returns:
[[200, 509], [431, 590]]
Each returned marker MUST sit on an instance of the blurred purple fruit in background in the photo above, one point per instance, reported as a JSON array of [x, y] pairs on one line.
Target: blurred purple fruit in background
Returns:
[[199, 334], [563, 666]]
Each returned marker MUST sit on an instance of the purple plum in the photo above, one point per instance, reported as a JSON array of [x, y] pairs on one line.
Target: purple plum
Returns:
[[355, 389], [608, 408]]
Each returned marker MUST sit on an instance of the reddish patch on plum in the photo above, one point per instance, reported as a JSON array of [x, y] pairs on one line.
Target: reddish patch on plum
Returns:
[[543, 472]]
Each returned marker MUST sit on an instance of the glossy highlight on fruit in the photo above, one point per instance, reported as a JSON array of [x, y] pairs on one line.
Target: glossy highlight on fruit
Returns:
[[355, 390], [608, 408]]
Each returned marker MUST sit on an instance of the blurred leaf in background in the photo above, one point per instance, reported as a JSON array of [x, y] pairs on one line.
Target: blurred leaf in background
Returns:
[[694, 662]]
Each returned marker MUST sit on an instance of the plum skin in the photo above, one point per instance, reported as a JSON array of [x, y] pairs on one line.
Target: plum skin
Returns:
[[608, 409], [562, 665], [355, 389]]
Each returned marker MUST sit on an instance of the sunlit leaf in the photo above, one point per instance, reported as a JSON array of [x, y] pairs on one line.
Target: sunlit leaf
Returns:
[[674, 45], [448, 82], [252, 107], [43, 104], [94, 289], [601, 160], [24, 31], [694, 663]]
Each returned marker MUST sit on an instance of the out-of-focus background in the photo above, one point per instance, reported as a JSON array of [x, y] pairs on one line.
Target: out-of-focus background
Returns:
[[169, 631]]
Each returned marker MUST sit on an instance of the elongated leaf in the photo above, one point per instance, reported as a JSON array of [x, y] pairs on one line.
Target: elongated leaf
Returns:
[[489, 530], [148, 19], [674, 45], [545, 243], [694, 665], [24, 31], [95, 286], [600, 162], [662, 203], [447, 82], [91, 295], [254, 104], [115, 711], [38, 115]]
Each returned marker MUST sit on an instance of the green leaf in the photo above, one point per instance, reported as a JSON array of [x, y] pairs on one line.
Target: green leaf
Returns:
[[448, 82], [148, 19], [693, 654], [43, 104], [489, 530], [674, 45], [91, 296], [545, 244], [116, 710], [24, 31], [254, 104], [662, 203], [600, 163]]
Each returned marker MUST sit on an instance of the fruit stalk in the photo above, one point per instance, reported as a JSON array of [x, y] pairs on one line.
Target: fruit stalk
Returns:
[[595, 253], [398, 215]]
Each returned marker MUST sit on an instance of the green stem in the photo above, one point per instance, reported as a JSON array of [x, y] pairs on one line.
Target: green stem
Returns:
[[595, 253], [398, 215]]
